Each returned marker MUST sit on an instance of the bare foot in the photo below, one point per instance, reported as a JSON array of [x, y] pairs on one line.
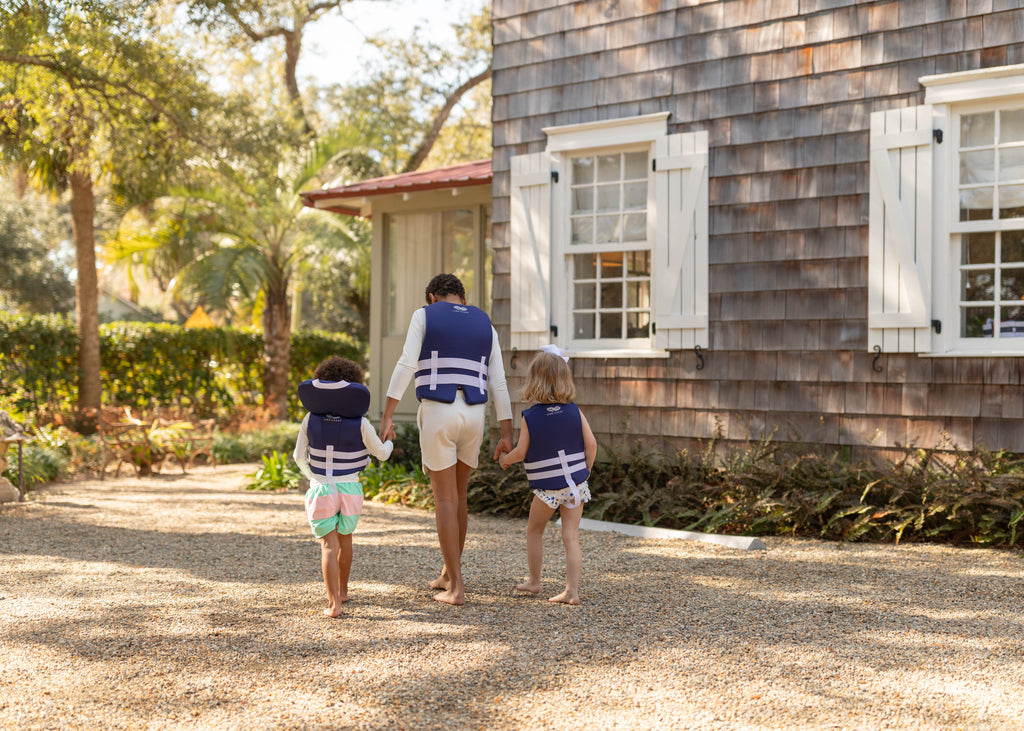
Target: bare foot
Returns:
[[448, 596], [530, 587], [334, 608], [441, 582], [566, 598]]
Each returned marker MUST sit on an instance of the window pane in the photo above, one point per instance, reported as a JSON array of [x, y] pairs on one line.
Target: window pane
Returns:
[[1012, 246], [977, 167], [635, 227], [1011, 126], [609, 168], [1012, 325], [611, 295], [638, 294], [611, 325], [585, 266], [638, 263], [979, 248], [977, 129], [634, 196], [1011, 201], [976, 204], [1011, 284], [583, 170], [582, 200], [1011, 164], [636, 165], [611, 265], [583, 325], [979, 285], [608, 198], [459, 248], [976, 322], [583, 230], [607, 230], [638, 325], [586, 296]]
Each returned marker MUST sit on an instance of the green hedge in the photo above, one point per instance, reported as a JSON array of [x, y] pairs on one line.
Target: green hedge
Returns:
[[145, 365]]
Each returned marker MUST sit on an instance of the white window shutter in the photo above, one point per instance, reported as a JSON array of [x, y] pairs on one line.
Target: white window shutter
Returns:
[[900, 231], [680, 262], [531, 250]]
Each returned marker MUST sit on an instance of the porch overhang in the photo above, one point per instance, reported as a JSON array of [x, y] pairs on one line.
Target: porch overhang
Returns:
[[354, 199]]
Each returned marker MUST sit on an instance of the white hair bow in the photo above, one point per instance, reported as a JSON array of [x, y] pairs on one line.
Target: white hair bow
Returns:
[[555, 350]]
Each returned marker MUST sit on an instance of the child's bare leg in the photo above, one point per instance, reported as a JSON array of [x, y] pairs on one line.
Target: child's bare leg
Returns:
[[573, 555], [330, 550], [462, 472], [540, 514], [344, 564]]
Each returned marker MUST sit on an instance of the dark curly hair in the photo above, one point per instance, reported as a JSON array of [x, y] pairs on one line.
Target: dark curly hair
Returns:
[[336, 368], [443, 285]]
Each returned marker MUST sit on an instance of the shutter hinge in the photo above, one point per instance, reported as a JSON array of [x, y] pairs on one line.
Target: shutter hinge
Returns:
[[654, 164], [937, 326], [554, 331], [937, 134], [554, 176], [654, 328]]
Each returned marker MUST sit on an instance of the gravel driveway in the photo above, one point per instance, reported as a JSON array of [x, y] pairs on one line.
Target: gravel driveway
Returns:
[[187, 602]]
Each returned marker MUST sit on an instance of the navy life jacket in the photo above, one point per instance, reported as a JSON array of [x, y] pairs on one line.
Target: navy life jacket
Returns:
[[556, 458], [456, 350], [334, 427]]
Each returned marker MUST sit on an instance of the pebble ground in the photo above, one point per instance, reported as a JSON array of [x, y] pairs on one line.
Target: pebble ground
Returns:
[[187, 602]]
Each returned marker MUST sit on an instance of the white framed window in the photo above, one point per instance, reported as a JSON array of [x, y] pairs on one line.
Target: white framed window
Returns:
[[946, 231], [609, 240]]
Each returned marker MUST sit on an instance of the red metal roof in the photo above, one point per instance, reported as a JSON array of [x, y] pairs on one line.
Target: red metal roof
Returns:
[[453, 176]]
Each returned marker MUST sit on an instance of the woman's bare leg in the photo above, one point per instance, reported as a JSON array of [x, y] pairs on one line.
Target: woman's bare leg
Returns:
[[462, 473], [446, 516]]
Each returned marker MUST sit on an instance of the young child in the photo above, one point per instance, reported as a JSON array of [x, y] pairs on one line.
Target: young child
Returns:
[[559, 448], [333, 446]]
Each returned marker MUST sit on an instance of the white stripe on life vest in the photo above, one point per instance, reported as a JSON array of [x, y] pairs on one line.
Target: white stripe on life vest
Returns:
[[542, 463], [482, 378], [338, 455], [463, 364], [433, 370], [445, 379], [565, 469], [329, 385], [558, 471]]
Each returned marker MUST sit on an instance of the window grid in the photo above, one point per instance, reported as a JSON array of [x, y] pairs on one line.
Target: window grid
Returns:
[[990, 160], [610, 251]]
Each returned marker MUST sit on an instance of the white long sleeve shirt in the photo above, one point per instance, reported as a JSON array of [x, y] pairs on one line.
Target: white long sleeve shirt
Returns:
[[380, 450], [405, 368]]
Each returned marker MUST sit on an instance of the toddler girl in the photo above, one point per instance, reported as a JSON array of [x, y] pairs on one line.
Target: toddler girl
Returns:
[[559, 448]]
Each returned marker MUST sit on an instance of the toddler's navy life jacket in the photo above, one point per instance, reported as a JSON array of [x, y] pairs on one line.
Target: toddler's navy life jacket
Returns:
[[455, 353], [336, 410], [556, 458]]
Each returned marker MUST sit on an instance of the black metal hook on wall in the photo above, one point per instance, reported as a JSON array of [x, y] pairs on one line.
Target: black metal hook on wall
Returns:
[[700, 358], [874, 362], [512, 363]]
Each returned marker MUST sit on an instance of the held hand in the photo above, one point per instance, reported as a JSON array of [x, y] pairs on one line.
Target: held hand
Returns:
[[387, 429], [503, 462], [504, 446]]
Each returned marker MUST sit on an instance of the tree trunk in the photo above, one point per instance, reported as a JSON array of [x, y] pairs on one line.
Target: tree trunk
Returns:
[[83, 208], [292, 51], [276, 351]]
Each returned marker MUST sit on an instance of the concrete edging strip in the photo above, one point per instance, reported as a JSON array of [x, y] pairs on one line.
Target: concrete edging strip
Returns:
[[744, 543]]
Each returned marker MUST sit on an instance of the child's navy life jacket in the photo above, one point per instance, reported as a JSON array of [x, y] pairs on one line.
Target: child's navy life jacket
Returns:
[[334, 427], [455, 353], [556, 458]]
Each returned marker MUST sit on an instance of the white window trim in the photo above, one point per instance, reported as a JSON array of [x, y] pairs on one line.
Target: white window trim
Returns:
[[686, 163], [952, 95]]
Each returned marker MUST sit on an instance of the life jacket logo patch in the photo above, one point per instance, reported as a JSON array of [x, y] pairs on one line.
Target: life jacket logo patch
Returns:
[[460, 308], [554, 409]]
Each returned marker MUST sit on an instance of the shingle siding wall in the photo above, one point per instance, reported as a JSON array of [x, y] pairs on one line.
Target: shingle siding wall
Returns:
[[785, 89]]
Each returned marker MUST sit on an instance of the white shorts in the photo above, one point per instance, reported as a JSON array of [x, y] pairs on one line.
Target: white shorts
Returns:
[[450, 433]]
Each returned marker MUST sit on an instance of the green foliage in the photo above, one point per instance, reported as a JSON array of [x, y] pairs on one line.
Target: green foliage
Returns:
[[206, 372], [278, 472], [253, 444], [384, 482], [42, 460]]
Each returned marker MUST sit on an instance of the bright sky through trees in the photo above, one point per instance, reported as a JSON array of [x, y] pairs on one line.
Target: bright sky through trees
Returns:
[[334, 51]]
